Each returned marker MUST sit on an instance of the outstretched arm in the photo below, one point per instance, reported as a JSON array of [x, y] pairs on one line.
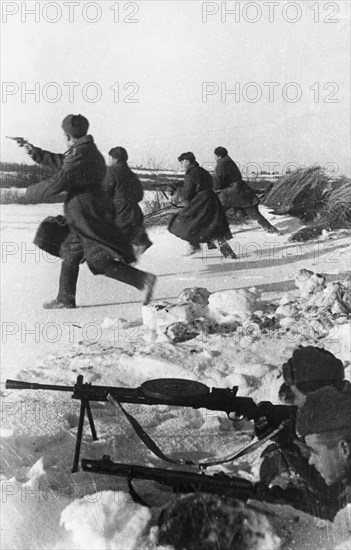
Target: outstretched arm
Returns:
[[69, 177], [46, 158]]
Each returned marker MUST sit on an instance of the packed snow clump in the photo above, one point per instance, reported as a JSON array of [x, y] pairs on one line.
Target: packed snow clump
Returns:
[[198, 311], [105, 520], [318, 307]]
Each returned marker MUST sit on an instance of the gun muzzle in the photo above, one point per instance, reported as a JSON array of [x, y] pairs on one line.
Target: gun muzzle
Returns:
[[19, 140], [19, 385]]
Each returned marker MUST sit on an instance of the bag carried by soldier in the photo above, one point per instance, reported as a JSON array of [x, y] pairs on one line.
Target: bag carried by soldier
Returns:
[[51, 233]]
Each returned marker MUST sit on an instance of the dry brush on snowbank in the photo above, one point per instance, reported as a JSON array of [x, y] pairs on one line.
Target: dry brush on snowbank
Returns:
[[312, 195]]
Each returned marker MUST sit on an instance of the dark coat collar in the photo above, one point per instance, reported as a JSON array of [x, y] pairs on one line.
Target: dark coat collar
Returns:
[[191, 166], [223, 159], [84, 139], [81, 141]]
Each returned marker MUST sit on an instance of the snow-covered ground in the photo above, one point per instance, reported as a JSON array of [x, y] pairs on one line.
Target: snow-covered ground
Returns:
[[105, 341]]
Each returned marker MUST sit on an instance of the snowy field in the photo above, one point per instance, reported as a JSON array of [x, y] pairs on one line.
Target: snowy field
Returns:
[[105, 340]]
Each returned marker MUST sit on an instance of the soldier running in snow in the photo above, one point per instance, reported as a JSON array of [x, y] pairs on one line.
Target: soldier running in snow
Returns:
[[92, 236], [125, 190], [233, 192], [202, 219]]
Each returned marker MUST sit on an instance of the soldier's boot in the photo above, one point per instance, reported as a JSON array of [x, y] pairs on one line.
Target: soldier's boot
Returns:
[[66, 298], [131, 276], [150, 283], [141, 245], [194, 248], [226, 250], [211, 245], [56, 304], [273, 230]]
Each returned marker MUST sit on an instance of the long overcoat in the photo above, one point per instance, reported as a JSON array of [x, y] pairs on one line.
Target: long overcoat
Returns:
[[203, 218], [233, 192], [80, 173], [125, 190]]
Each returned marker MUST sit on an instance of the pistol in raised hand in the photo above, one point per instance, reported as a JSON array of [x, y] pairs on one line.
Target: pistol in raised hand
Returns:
[[19, 140]]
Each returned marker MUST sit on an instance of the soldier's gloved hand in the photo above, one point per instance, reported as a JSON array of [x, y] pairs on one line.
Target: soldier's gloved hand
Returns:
[[172, 189], [262, 427], [290, 495], [29, 148]]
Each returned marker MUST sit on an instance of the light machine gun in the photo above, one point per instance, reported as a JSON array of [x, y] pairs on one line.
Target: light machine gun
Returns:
[[188, 482], [179, 480], [164, 391]]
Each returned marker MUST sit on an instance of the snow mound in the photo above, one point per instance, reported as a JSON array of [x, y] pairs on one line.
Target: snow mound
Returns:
[[30, 505], [309, 282], [105, 520], [236, 305], [198, 311], [319, 310]]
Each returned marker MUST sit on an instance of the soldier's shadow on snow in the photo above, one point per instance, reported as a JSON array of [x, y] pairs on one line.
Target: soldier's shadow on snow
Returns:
[[323, 253], [285, 224]]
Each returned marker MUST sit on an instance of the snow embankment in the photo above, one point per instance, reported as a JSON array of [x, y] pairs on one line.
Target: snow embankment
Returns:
[[221, 339]]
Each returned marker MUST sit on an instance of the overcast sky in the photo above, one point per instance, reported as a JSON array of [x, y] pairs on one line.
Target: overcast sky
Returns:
[[149, 65]]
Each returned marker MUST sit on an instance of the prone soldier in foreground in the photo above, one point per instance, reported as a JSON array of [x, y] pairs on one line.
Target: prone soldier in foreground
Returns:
[[309, 369], [324, 422], [209, 522], [286, 459]]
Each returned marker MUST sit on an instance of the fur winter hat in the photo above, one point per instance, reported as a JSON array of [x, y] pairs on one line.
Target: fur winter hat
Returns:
[[119, 153], [325, 410], [311, 364], [221, 152], [187, 156], [75, 125]]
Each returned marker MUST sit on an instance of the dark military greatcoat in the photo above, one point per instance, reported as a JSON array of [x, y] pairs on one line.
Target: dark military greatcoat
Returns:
[[233, 192], [80, 173], [125, 191], [203, 218]]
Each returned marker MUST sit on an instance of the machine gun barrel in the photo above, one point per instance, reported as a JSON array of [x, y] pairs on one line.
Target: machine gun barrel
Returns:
[[83, 390], [20, 385]]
